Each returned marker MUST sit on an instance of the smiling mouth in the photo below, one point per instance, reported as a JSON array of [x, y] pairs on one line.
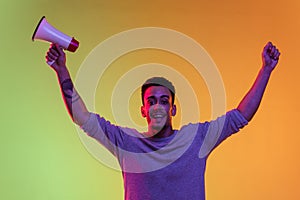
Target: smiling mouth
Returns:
[[157, 116]]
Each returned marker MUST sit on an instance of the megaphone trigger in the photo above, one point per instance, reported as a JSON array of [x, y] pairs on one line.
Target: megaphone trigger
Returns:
[[50, 63]]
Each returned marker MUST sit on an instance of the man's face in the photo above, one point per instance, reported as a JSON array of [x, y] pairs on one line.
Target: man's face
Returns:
[[158, 108]]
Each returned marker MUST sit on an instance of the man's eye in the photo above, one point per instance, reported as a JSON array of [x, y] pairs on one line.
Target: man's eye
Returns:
[[151, 102], [164, 102]]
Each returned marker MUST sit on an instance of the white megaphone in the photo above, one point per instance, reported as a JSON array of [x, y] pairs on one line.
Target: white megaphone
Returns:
[[45, 32]]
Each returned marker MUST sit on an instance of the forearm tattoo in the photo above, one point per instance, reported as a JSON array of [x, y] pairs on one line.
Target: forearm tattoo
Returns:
[[67, 88], [75, 98]]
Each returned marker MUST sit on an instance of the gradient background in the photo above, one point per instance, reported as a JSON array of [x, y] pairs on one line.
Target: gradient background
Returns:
[[41, 154]]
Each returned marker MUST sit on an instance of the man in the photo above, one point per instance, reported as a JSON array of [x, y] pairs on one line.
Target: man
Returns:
[[162, 163]]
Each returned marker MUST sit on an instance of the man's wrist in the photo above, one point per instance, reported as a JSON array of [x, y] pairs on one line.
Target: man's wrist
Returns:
[[62, 70], [267, 70], [63, 74]]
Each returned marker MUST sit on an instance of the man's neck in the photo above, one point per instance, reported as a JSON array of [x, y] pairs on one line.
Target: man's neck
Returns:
[[163, 133]]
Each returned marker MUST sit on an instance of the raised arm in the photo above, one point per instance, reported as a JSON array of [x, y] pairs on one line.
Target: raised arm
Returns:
[[250, 103], [73, 101]]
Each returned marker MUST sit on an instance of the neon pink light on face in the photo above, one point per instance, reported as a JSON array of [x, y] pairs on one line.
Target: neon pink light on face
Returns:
[[157, 108]]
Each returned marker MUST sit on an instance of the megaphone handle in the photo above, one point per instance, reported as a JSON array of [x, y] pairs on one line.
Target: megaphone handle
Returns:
[[50, 63]]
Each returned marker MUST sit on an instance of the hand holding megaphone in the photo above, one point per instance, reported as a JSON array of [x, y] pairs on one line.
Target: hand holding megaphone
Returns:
[[53, 55], [56, 55], [45, 32]]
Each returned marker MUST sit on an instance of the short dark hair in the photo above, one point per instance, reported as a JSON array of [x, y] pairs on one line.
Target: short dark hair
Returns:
[[158, 81]]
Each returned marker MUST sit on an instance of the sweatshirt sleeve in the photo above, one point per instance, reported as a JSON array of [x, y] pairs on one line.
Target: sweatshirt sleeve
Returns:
[[218, 130], [109, 135]]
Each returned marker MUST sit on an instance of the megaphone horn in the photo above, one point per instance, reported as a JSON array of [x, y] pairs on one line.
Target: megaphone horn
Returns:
[[45, 32]]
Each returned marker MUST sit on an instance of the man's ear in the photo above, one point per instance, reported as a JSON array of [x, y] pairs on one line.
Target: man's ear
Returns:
[[143, 111], [174, 110]]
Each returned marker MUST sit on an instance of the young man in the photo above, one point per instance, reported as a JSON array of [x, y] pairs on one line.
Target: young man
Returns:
[[162, 163]]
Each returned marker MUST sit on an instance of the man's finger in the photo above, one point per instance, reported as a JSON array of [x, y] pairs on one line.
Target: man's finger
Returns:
[[277, 54], [59, 49], [267, 48], [52, 55], [274, 49], [50, 61], [54, 52]]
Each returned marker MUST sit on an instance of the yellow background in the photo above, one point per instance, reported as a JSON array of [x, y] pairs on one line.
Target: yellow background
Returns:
[[41, 154]]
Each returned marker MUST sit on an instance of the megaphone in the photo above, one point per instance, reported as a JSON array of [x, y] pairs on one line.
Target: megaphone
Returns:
[[45, 32]]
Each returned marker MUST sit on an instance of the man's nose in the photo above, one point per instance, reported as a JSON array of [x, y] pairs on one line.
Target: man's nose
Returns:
[[157, 106]]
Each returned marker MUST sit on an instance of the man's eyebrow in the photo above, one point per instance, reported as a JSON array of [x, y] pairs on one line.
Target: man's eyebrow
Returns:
[[150, 97], [162, 96], [165, 96]]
